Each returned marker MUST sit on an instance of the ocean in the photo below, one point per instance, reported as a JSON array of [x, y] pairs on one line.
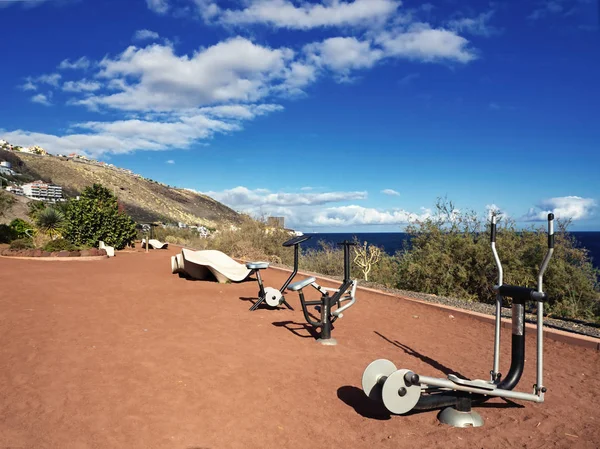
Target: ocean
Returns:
[[393, 241]]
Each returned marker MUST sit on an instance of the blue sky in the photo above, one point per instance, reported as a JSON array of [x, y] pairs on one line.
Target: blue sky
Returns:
[[339, 115]]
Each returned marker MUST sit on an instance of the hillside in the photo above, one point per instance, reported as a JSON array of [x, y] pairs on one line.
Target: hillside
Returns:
[[144, 200]]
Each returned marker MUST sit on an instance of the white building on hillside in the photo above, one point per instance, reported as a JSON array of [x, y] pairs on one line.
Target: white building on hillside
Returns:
[[15, 189], [39, 190]]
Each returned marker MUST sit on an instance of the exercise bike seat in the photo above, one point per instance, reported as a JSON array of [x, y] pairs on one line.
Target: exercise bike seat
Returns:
[[477, 383], [257, 265], [301, 284]]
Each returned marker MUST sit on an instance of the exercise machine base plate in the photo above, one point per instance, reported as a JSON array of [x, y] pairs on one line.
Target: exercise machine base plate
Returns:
[[454, 418]]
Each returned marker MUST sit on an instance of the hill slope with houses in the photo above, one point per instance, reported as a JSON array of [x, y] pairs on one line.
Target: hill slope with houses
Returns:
[[144, 199]]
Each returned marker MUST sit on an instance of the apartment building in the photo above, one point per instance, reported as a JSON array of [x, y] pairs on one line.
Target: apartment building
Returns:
[[40, 190]]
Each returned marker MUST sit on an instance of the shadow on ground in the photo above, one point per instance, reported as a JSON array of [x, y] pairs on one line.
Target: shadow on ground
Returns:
[[302, 330]]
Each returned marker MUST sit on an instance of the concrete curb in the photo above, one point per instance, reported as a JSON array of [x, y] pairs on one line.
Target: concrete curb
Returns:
[[553, 334], [58, 259]]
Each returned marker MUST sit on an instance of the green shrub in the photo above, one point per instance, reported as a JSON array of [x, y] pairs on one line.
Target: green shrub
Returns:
[[26, 243], [328, 259], [251, 239], [19, 228], [50, 221], [35, 207], [60, 245], [96, 216], [450, 256], [7, 234]]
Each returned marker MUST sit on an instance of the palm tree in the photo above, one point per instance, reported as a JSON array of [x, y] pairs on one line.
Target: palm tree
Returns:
[[50, 221]]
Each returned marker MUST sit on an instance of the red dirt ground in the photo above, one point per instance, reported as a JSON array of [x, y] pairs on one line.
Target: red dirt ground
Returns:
[[120, 353]]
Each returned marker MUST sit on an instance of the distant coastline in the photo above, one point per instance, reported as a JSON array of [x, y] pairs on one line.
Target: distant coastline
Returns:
[[394, 241]]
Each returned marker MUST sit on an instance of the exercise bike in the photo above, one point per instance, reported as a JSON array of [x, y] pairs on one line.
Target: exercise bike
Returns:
[[403, 390], [330, 307], [269, 295]]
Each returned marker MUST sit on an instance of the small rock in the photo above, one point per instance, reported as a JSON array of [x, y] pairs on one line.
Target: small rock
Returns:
[[451, 317], [46, 254], [415, 316], [101, 252], [37, 253], [74, 254], [63, 254]]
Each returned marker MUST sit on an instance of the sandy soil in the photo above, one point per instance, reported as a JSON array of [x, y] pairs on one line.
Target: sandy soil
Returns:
[[122, 354]]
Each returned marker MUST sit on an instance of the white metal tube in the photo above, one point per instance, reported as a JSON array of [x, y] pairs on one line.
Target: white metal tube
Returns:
[[445, 383], [498, 327], [540, 315], [496, 369]]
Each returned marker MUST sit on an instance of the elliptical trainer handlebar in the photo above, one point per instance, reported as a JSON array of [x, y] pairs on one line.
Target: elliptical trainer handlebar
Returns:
[[523, 292]]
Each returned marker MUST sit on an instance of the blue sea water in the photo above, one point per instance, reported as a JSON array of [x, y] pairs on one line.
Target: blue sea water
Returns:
[[393, 241]]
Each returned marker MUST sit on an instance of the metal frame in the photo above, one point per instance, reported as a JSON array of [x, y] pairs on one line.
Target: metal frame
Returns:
[[458, 394], [346, 293], [261, 291]]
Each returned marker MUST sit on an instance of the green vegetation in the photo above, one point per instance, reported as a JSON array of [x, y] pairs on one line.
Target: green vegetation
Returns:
[[95, 216], [21, 228], [72, 225], [6, 234], [26, 243], [251, 239], [450, 256], [50, 221], [60, 245]]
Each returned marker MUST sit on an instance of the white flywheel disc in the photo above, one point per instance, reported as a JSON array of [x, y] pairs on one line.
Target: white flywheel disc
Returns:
[[272, 297]]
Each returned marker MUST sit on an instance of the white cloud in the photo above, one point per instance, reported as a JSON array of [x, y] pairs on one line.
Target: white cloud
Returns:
[[493, 209], [423, 43], [42, 99], [342, 54], [29, 85], [474, 25], [357, 215], [306, 209], [167, 132], [232, 70], [52, 79], [170, 161], [407, 79], [306, 189], [390, 192], [240, 197], [158, 95], [80, 64], [158, 6], [566, 207], [547, 8], [303, 14], [81, 86], [142, 35], [239, 111]]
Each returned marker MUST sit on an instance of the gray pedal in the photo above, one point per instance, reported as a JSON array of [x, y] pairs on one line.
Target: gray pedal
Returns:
[[477, 383]]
